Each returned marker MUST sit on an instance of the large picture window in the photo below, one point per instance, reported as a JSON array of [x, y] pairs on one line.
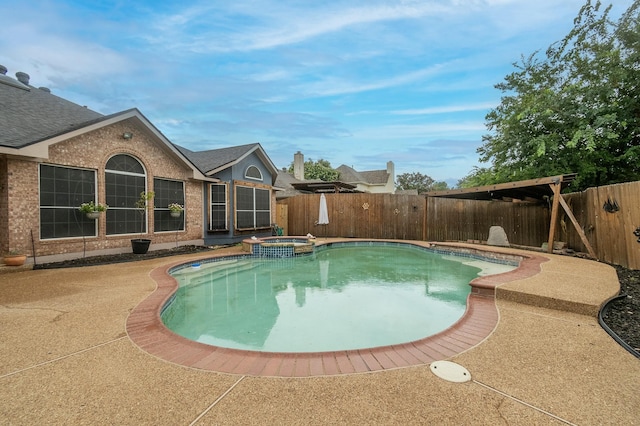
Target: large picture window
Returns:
[[218, 207], [62, 190], [125, 179], [253, 207], [167, 192]]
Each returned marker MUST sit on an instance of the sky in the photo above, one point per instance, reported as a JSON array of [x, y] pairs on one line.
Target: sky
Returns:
[[354, 82]]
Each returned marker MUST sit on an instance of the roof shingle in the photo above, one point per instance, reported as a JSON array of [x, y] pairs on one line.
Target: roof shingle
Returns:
[[213, 159], [30, 114]]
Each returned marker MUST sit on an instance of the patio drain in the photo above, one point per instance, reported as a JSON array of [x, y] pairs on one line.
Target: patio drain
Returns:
[[450, 371]]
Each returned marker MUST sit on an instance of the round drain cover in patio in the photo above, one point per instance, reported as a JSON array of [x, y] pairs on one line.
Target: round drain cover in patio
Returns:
[[450, 371]]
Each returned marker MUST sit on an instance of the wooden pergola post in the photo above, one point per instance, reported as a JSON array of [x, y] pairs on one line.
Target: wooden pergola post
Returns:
[[532, 189], [557, 199], [424, 219], [579, 230], [555, 187]]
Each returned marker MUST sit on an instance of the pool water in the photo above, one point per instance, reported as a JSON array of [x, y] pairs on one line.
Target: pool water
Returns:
[[336, 299]]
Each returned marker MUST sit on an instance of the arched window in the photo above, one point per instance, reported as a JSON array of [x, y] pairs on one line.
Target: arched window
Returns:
[[125, 179], [253, 172]]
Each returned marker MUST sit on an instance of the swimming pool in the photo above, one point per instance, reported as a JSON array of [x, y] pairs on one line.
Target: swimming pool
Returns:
[[341, 297]]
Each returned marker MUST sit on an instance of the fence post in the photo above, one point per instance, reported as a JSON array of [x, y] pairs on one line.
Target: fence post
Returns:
[[555, 187]]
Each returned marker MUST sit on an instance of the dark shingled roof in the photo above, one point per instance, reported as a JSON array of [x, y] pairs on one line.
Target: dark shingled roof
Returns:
[[348, 174], [30, 114], [376, 177], [215, 159], [285, 181], [371, 177]]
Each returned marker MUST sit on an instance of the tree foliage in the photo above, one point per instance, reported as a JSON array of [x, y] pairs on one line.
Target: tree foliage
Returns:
[[320, 169], [479, 176], [575, 111], [439, 186], [422, 183]]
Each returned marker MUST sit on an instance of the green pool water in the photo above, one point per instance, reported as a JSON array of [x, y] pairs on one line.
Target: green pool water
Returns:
[[336, 299]]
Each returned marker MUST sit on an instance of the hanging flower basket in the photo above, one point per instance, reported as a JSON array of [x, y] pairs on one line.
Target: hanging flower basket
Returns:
[[175, 209], [93, 210]]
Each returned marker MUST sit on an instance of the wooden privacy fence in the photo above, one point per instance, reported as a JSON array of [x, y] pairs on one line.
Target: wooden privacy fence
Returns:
[[451, 219], [414, 217], [358, 215], [607, 215]]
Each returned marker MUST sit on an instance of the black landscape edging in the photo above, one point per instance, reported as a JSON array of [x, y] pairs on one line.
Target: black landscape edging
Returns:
[[611, 333]]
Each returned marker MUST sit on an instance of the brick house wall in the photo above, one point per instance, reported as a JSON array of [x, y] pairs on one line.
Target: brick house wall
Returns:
[[4, 202], [91, 150]]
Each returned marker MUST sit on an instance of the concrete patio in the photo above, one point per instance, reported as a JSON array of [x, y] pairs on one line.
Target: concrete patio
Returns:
[[67, 359]]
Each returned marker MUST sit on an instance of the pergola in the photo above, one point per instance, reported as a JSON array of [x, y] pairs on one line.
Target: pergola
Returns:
[[532, 190], [326, 187]]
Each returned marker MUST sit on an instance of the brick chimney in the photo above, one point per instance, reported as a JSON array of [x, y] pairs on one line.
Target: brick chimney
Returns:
[[298, 165], [391, 169]]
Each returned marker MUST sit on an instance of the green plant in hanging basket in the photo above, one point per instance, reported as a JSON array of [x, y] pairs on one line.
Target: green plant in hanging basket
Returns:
[[91, 207], [175, 207]]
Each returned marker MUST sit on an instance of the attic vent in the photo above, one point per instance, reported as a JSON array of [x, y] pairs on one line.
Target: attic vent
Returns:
[[45, 89], [5, 79], [23, 77]]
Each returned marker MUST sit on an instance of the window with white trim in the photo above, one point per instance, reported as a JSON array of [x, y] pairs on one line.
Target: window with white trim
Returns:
[[125, 179], [218, 207], [253, 172], [253, 208], [167, 192], [62, 190]]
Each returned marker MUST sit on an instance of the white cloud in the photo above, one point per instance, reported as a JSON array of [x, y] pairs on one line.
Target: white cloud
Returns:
[[447, 109], [424, 132], [332, 20], [58, 56], [331, 86], [279, 24]]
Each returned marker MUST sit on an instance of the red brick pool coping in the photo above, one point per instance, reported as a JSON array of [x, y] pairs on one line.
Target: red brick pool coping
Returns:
[[146, 330]]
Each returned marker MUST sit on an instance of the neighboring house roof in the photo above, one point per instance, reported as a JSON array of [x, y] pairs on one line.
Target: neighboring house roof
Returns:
[[371, 177], [348, 174], [348, 180], [289, 186], [284, 185], [215, 160], [376, 177]]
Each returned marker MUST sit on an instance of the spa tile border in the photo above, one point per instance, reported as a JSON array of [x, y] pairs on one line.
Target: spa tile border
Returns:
[[145, 328]]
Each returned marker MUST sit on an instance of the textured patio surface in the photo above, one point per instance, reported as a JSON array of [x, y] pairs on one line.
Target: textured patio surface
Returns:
[[66, 359]]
